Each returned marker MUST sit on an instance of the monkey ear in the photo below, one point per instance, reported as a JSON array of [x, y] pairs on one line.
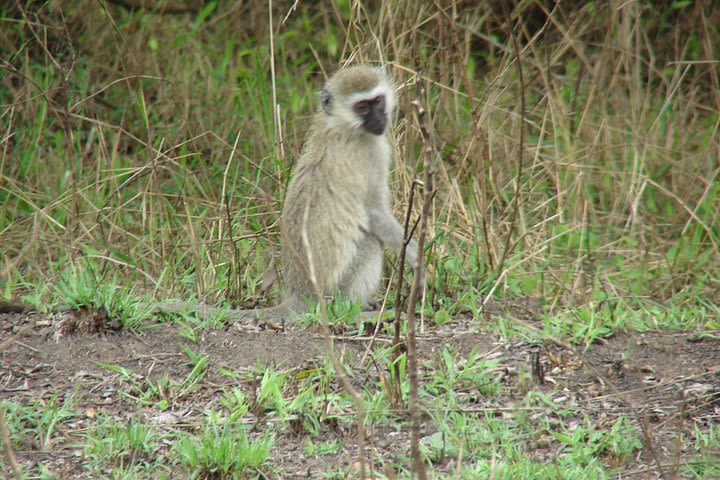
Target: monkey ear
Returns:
[[326, 100]]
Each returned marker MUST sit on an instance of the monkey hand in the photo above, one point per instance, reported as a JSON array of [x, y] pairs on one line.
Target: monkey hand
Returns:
[[412, 257]]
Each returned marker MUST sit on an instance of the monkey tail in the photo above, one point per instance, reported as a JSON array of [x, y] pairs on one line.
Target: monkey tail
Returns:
[[272, 317], [283, 312]]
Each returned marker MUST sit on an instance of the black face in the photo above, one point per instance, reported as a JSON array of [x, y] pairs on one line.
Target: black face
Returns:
[[372, 112]]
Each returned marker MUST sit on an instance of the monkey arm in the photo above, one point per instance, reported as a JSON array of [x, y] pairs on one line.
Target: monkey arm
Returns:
[[384, 226]]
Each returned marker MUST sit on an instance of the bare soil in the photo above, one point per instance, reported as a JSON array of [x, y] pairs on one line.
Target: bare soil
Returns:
[[670, 382]]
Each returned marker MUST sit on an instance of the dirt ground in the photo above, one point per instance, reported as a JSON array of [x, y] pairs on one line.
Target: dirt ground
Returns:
[[671, 380]]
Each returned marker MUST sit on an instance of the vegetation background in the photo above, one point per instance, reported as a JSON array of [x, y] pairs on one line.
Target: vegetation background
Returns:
[[157, 142], [145, 146]]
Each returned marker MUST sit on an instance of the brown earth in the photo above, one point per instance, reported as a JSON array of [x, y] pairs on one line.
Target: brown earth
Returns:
[[670, 382]]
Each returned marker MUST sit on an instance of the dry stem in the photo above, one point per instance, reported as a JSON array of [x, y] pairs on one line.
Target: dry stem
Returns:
[[414, 405]]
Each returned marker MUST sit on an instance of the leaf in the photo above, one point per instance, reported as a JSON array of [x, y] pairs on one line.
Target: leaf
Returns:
[[204, 13]]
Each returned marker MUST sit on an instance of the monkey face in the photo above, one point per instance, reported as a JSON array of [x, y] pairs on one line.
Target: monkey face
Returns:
[[373, 115], [359, 99]]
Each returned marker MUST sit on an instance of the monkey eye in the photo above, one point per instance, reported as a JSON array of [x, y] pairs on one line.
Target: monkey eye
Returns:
[[362, 108], [379, 101]]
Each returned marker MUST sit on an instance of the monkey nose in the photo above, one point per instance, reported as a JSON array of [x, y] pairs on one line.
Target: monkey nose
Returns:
[[376, 121]]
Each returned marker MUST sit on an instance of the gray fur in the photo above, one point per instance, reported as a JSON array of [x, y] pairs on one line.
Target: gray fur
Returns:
[[341, 185]]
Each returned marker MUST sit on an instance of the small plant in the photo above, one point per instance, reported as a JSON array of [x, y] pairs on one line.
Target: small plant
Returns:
[[163, 391], [340, 312], [190, 326], [117, 442], [315, 402], [159, 392], [271, 397], [235, 401], [394, 380], [320, 448], [222, 452], [199, 364], [40, 421], [585, 443], [453, 374], [83, 289]]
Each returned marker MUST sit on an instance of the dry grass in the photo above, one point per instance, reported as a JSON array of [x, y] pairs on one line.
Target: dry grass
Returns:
[[149, 142]]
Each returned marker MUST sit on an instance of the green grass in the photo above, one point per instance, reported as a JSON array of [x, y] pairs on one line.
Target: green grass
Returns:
[[116, 443], [458, 396], [38, 423], [162, 392], [222, 452]]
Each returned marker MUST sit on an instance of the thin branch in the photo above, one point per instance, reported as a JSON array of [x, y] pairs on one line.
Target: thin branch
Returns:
[[236, 253], [280, 149], [407, 235], [418, 285], [521, 148]]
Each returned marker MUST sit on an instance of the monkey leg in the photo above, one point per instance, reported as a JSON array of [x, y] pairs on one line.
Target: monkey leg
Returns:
[[361, 279]]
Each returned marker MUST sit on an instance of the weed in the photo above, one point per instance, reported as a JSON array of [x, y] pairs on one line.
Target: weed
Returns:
[[83, 289], [453, 375], [38, 424], [163, 391], [121, 442], [235, 401], [222, 452]]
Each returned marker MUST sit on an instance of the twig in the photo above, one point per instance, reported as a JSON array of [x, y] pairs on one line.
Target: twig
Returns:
[[418, 285], [521, 147], [394, 383], [477, 137], [119, 80], [407, 235], [280, 149], [236, 254], [290, 12]]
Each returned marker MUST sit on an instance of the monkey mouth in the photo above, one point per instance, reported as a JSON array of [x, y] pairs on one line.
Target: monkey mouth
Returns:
[[375, 122]]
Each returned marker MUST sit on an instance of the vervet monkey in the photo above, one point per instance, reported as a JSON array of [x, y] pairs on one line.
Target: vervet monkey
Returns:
[[339, 197]]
